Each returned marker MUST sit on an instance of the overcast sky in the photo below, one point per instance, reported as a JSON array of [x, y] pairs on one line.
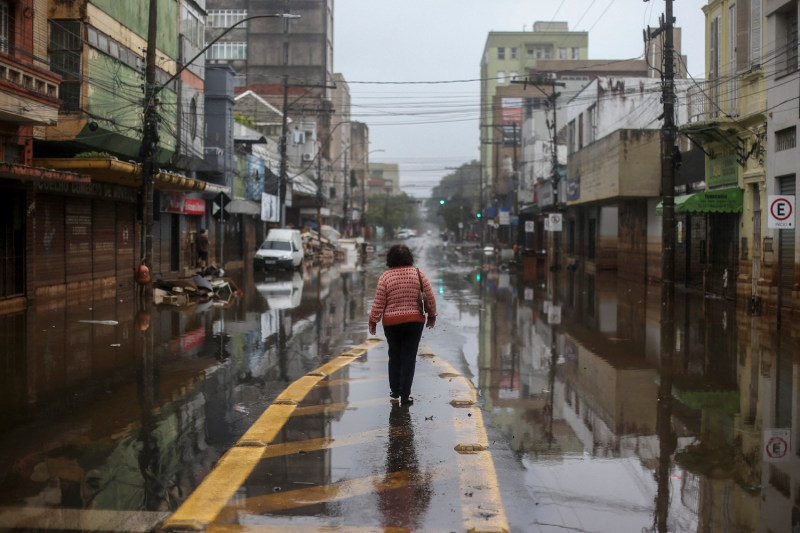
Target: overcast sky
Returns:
[[426, 128]]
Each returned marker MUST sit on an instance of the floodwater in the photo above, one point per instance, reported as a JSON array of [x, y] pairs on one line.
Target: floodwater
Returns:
[[111, 417]]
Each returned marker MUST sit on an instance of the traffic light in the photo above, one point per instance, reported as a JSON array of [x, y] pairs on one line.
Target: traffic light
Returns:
[[478, 214], [441, 201]]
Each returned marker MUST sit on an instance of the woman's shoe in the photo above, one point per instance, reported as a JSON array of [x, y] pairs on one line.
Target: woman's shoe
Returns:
[[408, 400], [394, 397]]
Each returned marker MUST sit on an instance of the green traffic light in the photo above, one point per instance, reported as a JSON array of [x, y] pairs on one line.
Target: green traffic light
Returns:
[[441, 202], [478, 215]]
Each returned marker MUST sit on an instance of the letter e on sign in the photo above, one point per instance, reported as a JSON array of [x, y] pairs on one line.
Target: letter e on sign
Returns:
[[780, 210], [776, 445]]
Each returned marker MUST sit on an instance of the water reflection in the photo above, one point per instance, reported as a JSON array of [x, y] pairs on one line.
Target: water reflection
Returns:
[[405, 493], [572, 372], [107, 406]]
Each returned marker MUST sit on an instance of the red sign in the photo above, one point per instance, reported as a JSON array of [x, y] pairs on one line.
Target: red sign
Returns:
[[193, 339], [194, 206], [179, 204]]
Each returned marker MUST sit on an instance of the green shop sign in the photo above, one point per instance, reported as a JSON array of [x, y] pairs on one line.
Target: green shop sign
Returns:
[[721, 171]]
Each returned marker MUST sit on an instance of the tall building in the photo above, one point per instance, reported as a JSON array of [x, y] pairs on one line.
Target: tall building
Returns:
[[508, 56], [263, 51], [286, 61]]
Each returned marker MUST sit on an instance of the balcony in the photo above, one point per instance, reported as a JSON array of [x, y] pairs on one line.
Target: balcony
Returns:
[[713, 101], [28, 94]]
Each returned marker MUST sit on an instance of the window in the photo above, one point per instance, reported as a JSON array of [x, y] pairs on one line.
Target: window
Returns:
[[530, 52], [64, 51], [512, 75], [5, 27], [713, 64], [785, 139], [193, 118], [228, 50], [225, 18], [501, 77], [501, 52], [591, 124], [755, 34], [576, 53], [786, 40], [191, 26], [562, 53], [513, 53], [571, 137], [733, 85], [111, 47]]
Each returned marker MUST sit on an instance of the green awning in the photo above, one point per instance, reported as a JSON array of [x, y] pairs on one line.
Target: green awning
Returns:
[[713, 201]]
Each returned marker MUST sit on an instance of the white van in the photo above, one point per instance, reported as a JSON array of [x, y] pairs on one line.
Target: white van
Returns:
[[282, 291], [283, 248]]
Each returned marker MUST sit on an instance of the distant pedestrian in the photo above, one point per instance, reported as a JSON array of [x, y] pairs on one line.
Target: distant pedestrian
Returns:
[[396, 304], [203, 245]]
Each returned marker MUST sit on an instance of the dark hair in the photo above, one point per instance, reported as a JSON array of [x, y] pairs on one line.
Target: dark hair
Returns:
[[399, 255]]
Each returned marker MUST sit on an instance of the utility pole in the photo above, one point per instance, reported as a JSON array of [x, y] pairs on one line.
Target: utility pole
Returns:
[[284, 126], [666, 435], [346, 194], [149, 149]]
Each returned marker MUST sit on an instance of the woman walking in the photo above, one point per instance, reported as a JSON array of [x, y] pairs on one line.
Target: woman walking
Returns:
[[397, 304]]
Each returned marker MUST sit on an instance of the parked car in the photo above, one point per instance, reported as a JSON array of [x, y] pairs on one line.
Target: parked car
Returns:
[[404, 233], [283, 248], [282, 291]]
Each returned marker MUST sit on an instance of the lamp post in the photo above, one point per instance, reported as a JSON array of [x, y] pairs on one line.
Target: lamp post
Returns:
[[150, 137]]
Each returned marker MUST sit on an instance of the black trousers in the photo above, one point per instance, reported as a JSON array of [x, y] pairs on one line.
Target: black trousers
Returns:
[[403, 342]]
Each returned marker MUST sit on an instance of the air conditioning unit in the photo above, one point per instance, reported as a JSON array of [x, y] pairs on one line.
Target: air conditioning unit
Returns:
[[308, 157]]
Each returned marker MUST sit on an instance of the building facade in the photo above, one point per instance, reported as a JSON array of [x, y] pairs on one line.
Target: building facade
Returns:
[[89, 236], [728, 118], [780, 246], [508, 56]]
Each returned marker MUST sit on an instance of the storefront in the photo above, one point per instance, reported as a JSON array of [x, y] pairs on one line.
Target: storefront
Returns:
[[707, 240]]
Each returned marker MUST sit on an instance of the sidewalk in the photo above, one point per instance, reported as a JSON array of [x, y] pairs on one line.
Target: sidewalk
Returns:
[[332, 453]]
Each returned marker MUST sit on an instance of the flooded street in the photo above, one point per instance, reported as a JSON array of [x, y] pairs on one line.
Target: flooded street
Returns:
[[111, 418]]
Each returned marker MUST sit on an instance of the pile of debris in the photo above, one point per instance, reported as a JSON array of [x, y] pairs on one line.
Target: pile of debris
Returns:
[[207, 285], [320, 249]]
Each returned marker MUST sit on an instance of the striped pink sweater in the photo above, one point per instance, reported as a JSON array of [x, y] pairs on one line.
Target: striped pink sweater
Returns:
[[396, 297]]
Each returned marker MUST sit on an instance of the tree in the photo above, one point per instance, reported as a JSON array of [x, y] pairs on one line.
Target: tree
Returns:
[[460, 191], [392, 211]]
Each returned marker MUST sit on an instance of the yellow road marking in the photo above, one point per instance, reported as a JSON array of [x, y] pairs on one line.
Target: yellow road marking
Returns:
[[336, 407], [205, 503], [481, 504], [293, 499], [325, 443], [294, 527]]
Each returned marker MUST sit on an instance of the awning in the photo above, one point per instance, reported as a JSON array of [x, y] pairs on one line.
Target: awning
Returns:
[[302, 184], [128, 173], [713, 201]]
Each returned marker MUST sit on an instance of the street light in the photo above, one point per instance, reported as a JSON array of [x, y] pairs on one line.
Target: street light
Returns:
[[150, 138]]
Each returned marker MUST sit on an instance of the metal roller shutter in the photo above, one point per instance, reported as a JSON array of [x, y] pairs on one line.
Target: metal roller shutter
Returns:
[[103, 226], [78, 231], [49, 263], [126, 246]]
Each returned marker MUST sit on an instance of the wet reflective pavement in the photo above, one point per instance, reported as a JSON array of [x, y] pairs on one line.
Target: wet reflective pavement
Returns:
[[333, 451], [105, 427]]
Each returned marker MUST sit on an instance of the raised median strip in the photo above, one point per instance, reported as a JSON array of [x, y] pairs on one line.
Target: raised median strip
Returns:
[[481, 504]]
